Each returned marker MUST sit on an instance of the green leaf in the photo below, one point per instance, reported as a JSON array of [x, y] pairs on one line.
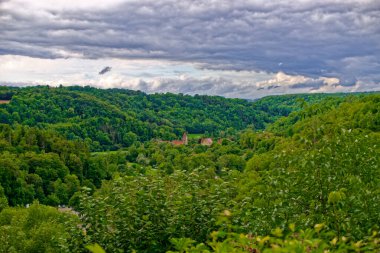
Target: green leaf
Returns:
[[95, 248]]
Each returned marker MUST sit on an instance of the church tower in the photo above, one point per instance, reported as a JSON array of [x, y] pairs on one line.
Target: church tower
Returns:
[[184, 138]]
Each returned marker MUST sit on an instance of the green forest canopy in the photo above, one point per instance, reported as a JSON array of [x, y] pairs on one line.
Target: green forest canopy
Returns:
[[115, 118]]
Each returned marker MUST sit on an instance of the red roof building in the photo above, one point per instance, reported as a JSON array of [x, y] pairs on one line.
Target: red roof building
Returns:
[[206, 141], [184, 140]]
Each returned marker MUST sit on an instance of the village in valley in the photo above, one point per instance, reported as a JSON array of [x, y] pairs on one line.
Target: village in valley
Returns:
[[185, 140]]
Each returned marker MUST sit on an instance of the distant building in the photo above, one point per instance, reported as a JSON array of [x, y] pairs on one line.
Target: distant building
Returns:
[[184, 140], [206, 141]]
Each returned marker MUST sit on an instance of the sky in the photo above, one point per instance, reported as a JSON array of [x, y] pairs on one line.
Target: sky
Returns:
[[241, 48]]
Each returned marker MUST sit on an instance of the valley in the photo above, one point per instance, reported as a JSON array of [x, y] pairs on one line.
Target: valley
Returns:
[[294, 172]]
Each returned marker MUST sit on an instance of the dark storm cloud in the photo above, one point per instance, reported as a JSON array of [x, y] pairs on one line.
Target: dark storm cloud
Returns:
[[312, 38], [211, 86], [313, 84], [105, 70]]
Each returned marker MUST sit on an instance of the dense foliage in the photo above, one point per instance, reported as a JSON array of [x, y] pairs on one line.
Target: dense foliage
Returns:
[[144, 212], [39, 229], [309, 182], [40, 164]]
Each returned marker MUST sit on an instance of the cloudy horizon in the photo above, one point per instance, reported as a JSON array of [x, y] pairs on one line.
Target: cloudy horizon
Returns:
[[244, 49]]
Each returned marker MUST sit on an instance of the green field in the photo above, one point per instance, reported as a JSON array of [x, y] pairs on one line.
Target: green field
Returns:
[[194, 136]]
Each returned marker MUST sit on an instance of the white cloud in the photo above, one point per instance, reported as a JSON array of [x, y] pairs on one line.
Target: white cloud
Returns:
[[59, 5], [297, 81]]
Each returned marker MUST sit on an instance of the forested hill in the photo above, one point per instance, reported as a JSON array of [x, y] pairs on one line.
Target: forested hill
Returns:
[[114, 118]]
